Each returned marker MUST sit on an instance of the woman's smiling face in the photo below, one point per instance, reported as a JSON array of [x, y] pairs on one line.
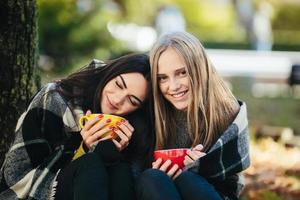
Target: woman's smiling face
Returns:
[[173, 79], [123, 94]]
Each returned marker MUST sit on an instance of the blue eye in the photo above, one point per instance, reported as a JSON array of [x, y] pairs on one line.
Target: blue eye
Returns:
[[161, 78], [183, 73]]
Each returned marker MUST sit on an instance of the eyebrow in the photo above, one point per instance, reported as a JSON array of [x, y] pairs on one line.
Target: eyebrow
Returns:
[[176, 71], [180, 69], [124, 83]]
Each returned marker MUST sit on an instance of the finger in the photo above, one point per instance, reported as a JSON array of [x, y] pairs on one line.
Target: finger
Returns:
[[118, 145], [106, 138], [124, 138], [85, 134], [92, 137], [90, 123], [98, 126], [172, 171], [157, 163], [199, 147], [177, 174], [193, 155], [124, 129], [187, 160], [123, 143], [98, 135], [165, 165], [199, 154], [128, 125], [88, 112]]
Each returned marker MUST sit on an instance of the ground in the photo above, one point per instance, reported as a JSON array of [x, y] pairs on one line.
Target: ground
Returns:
[[274, 172]]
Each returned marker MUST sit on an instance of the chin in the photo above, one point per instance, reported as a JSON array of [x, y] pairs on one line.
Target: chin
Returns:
[[181, 107]]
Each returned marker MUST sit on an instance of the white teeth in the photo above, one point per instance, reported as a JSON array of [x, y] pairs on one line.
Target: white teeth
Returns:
[[178, 95]]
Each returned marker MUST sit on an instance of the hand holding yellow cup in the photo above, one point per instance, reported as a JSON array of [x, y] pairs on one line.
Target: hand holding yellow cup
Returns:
[[114, 120]]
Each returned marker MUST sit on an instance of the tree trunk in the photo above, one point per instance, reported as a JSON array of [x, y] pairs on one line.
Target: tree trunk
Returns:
[[18, 55]]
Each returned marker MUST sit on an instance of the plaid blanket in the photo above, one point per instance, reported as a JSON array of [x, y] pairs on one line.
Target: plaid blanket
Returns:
[[227, 157], [47, 135]]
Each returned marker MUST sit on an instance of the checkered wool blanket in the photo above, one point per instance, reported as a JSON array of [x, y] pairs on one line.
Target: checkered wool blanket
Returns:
[[227, 157], [47, 136]]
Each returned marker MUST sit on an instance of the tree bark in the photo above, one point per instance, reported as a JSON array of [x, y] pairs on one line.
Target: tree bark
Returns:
[[18, 55]]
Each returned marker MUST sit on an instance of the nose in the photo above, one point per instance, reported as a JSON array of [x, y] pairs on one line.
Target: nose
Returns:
[[174, 84], [119, 98]]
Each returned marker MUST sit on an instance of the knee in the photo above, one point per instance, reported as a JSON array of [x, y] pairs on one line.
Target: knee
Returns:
[[150, 178], [188, 178], [89, 161], [190, 183], [155, 184], [152, 175]]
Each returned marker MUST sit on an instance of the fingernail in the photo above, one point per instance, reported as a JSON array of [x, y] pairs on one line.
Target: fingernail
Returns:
[[108, 120], [118, 123], [111, 128], [123, 120], [100, 116]]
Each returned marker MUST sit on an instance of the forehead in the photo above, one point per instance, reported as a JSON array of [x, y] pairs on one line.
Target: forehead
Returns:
[[170, 61]]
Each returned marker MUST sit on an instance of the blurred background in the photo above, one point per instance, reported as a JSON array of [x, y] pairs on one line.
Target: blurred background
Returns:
[[254, 44]]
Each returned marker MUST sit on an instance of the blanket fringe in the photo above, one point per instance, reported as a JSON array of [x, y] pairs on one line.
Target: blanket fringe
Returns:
[[54, 186]]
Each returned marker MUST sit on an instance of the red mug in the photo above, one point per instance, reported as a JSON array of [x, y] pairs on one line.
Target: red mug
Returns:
[[175, 155]]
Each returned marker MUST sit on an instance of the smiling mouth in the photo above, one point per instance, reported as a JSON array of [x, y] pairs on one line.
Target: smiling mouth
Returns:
[[111, 105], [179, 94]]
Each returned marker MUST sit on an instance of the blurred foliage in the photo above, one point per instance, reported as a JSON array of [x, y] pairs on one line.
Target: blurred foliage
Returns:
[[286, 26], [71, 31], [287, 18], [138, 11], [211, 21]]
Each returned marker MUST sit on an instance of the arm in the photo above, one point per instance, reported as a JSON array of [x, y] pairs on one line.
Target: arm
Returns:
[[230, 153], [228, 156], [40, 148]]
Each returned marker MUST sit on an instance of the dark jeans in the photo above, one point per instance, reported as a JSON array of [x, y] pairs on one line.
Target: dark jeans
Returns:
[[154, 184], [89, 178]]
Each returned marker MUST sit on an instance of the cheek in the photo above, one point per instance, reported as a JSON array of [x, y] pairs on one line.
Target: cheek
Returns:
[[163, 88], [128, 109], [187, 82]]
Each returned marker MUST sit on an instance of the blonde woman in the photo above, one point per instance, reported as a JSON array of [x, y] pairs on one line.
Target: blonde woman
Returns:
[[194, 109]]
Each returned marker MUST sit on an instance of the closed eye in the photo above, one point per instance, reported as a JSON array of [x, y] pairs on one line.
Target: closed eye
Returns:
[[134, 102], [118, 85]]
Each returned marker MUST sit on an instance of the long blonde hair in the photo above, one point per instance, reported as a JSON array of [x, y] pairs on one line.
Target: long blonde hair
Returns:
[[212, 106]]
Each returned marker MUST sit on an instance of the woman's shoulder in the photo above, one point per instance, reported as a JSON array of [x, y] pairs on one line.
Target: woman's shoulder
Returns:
[[240, 117], [95, 63], [46, 96], [48, 87]]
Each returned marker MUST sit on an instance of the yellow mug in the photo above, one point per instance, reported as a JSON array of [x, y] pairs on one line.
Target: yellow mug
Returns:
[[114, 120]]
